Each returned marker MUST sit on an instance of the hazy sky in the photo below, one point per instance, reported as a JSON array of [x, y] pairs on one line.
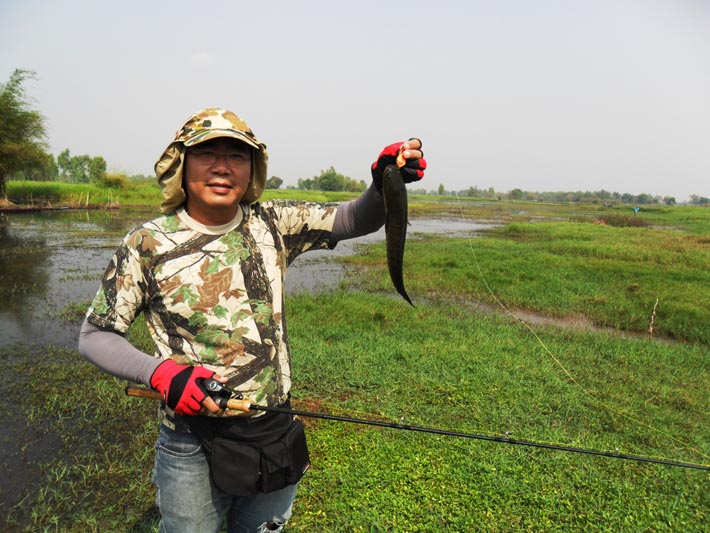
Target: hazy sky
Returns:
[[541, 95]]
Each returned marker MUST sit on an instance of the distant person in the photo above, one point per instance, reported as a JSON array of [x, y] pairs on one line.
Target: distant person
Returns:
[[636, 210], [208, 275]]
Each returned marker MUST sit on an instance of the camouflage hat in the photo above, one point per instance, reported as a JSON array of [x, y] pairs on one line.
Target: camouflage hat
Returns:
[[208, 124]]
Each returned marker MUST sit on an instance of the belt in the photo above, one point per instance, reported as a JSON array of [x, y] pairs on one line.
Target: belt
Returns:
[[176, 424]]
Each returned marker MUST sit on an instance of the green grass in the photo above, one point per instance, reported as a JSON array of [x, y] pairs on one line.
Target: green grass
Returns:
[[464, 371], [447, 364], [443, 366], [54, 193], [613, 276]]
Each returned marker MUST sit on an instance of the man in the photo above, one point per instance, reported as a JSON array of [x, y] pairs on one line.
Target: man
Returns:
[[209, 276]]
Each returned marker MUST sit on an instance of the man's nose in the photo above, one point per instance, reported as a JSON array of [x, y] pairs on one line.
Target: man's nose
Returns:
[[221, 161]]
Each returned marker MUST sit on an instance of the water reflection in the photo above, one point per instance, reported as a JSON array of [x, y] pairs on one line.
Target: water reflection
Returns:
[[23, 272], [48, 261], [52, 260]]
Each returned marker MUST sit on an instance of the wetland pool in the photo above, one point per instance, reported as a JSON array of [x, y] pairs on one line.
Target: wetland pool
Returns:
[[51, 263]]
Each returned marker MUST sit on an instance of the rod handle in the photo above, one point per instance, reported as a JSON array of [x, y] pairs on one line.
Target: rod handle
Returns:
[[235, 405], [239, 405], [142, 392]]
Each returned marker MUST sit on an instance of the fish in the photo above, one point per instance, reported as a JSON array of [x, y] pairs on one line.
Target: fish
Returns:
[[396, 206]]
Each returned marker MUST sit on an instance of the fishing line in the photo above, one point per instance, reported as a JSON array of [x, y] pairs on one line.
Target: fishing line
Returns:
[[566, 372]]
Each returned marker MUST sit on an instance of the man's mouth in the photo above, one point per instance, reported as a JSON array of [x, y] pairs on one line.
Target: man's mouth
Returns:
[[220, 186]]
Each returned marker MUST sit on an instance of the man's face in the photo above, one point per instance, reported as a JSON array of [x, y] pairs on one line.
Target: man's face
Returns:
[[216, 176]]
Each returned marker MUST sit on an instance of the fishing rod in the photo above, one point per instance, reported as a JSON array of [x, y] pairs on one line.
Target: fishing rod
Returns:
[[236, 402]]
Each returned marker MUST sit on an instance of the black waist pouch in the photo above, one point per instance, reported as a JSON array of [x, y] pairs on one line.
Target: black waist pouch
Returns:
[[248, 456], [244, 468]]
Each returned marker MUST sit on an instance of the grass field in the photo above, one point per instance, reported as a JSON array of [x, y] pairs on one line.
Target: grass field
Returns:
[[458, 362], [611, 276]]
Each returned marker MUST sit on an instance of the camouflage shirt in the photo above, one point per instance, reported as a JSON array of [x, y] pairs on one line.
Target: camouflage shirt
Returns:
[[214, 296]]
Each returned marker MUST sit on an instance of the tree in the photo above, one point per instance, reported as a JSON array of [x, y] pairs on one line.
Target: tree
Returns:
[[22, 130], [473, 192], [308, 184], [97, 170], [645, 198], [81, 168], [274, 182], [47, 172], [64, 164], [516, 194], [331, 180]]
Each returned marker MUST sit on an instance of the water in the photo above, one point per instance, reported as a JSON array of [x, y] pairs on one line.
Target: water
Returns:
[[315, 271], [55, 259], [49, 261]]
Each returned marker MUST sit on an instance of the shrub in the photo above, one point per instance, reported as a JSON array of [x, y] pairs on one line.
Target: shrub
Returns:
[[618, 221], [115, 181]]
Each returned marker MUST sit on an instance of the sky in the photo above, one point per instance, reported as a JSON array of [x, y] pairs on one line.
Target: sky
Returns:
[[545, 95]]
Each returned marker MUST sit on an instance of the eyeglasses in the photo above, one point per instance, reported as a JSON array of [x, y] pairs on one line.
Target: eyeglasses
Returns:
[[210, 157]]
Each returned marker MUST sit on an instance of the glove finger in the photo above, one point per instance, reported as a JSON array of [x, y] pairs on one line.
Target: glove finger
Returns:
[[186, 392], [195, 404], [188, 406], [388, 156], [417, 164], [191, 401], [413, 170], [409, 175]]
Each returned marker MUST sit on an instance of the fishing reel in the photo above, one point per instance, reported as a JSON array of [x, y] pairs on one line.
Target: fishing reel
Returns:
[[219, 392]]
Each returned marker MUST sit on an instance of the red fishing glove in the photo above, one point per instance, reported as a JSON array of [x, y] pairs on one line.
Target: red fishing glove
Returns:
[[413, 169], [176, 383]]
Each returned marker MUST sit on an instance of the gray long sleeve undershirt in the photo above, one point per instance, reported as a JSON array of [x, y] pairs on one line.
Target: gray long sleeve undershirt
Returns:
[[112, 352], [365, 214]]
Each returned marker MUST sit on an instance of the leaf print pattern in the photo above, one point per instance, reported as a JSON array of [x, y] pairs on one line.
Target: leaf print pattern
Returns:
[[186, 294], [213, 286], [125, 282]]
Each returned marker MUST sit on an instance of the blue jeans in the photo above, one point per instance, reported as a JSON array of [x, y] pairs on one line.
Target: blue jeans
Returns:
[[190, 503]]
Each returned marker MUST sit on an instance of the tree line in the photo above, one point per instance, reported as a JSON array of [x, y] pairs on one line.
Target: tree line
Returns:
[[600, 196], [68, 168], [24, 155]]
